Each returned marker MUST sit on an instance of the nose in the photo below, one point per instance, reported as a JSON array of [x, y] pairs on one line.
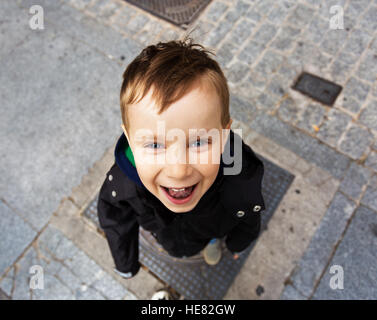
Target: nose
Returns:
[[177, 165], [178, 171]]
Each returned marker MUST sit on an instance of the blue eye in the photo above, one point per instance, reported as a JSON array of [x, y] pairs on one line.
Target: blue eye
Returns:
[[202, 142], [152, 145]]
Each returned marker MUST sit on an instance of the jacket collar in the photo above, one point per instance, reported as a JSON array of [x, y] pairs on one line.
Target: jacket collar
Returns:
[[123, 163]]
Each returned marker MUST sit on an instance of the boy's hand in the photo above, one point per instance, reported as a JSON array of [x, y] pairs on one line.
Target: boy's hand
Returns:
[[235, 256]]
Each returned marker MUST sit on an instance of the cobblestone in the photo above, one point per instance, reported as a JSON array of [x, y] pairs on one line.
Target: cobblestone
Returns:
[[237, 11], [226, 54], [253, 15], [357, 42], [301, 15], [289, 111], [368, 67], [307, 54], [238, 71], [265, 33], [278, 86], [103, 8], [356, 141], [368, 20], [218, 33], [333, 127], [356, 8], [372, 160], [270, 63], [149, 32], [279, 12], [368, 115], [216, 10], [356, 89], [123, 17], [242, 109], [312, 115], [354, 180], [370, 196], [137, 23], [285, 39], [251, 52], [241, 31], [266, 102], [80, 4], [316, 30]]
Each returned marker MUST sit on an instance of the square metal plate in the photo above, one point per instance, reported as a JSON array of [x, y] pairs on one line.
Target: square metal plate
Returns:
[[317, 88], [178, 12]]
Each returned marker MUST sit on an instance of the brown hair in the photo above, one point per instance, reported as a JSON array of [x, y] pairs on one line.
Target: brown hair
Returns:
[[171, 68]]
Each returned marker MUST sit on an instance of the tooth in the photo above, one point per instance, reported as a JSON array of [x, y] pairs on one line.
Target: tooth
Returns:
[[182, 189]]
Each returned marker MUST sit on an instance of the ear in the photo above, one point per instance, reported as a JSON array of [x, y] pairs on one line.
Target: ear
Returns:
[[226, 135], [229, 123], [125, 133]]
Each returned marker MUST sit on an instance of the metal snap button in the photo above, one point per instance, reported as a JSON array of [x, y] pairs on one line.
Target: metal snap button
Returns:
[[257, 208], [113, 193], [110, 177], [240, 214]]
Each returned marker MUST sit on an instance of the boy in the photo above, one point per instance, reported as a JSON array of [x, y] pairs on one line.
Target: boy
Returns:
[[155, 182]]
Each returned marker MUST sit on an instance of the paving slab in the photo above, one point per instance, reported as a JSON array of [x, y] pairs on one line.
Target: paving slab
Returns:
[[309, 269], [67, 95], [65, 273], [356, 256], [15, 236]]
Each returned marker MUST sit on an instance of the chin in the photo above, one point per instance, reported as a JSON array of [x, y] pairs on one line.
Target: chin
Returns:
[[181, 210]]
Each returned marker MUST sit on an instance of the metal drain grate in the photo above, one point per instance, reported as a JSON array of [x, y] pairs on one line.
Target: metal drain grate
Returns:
[[178, 12], [317, 88], [192, 277]]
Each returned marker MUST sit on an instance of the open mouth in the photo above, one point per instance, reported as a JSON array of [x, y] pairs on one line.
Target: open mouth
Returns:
[[179, 195]]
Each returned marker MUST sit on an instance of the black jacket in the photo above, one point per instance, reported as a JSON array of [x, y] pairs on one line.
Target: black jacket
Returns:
[[231, 207]]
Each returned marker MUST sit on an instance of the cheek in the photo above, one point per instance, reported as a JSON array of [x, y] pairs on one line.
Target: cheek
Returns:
[[146, 173], [208, 171]]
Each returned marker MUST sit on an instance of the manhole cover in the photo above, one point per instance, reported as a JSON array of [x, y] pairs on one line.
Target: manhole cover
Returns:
[[178, 12], [317, 88], [192, 277]]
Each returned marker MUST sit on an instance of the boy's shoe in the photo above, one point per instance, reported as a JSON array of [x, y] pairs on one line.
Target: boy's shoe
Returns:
[[212, 252], [166, 293], [162, 294]]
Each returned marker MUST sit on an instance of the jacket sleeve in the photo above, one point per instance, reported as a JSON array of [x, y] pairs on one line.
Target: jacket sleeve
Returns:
[[244, 233], [122, 231]]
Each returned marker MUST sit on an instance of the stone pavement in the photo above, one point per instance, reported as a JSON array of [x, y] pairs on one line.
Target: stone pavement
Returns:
[[59, 92]]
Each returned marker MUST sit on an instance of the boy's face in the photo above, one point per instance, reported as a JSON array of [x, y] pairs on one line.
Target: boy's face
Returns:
[[170, 163]]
